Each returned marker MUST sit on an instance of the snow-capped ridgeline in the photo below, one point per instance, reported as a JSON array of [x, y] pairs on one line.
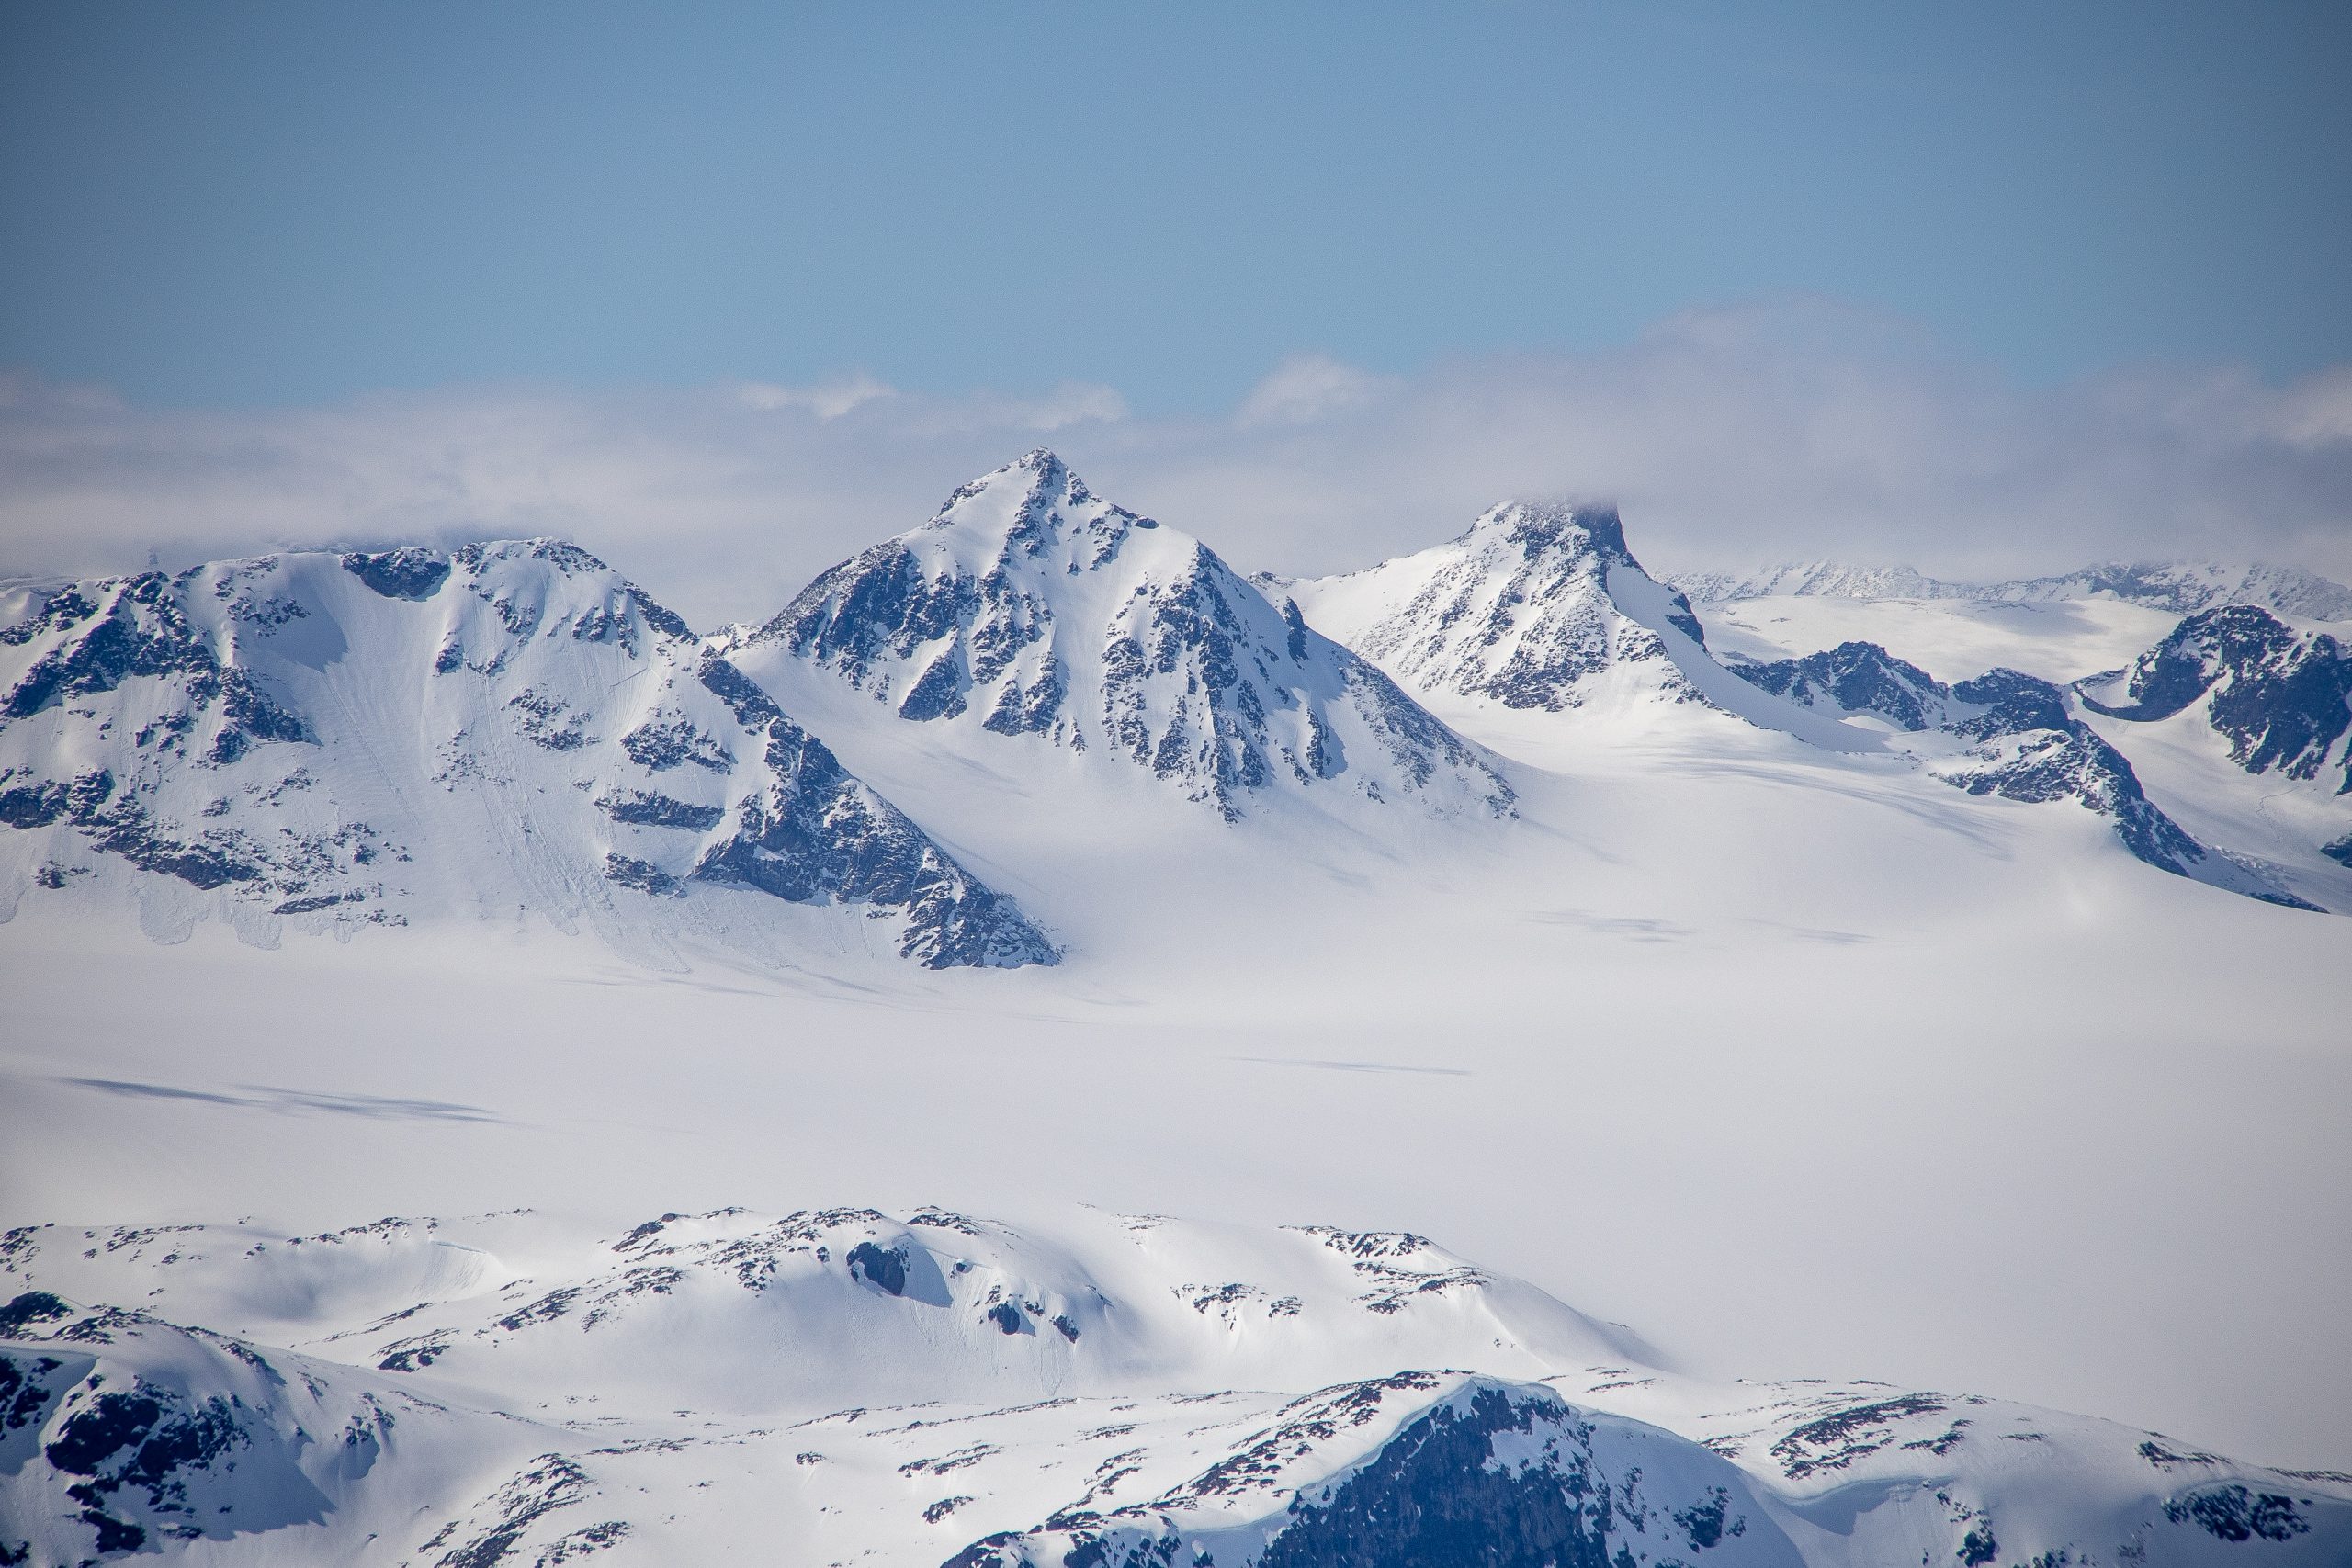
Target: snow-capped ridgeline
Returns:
[[2244, 721], [1031, 610], [371, 738], [341, 739], [931, 1388], [2011, 734], [1854, 679], [1542, 609], [2179, 587]]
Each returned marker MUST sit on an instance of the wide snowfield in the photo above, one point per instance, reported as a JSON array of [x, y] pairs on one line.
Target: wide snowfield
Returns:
[[2062, 640], [1799, 1064]]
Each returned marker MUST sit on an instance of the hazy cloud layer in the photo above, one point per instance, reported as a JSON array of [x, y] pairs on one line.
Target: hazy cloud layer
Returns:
[[1731, 438]]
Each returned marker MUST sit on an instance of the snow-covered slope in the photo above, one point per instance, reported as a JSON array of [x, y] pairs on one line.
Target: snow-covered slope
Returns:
[[838, 1385], [512, 729], [1030, 613], [1537, 628], [1667, 1034], [1535, 606], [1537, 609], [2238, 721], [2282, 699], [2062, 641], [2012, 735], [2245, 720], [2178, 587]]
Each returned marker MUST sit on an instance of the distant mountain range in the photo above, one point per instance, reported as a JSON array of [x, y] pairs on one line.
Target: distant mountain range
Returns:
[[343, 739], [1004, 740], [2180, 587]]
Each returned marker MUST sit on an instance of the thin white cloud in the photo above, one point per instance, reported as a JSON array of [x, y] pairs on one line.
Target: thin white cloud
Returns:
[[1730, 438], [828, 399], [2315, 412], [1306, 388], [1068, 404]]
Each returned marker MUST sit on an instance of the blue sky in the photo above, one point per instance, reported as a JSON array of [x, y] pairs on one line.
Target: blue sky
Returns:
[[240, 206], [726, 291]]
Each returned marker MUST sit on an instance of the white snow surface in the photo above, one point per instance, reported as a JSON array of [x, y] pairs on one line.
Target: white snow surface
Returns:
[[1952, 639], [843, 1385], [1736, 1025]]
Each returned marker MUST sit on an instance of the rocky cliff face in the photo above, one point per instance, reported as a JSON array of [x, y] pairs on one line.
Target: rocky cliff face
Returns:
[[1855, 678]]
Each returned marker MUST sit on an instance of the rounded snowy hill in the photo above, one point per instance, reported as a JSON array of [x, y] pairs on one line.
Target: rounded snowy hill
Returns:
[[844, 1384], [1032, 614], [512, 730]]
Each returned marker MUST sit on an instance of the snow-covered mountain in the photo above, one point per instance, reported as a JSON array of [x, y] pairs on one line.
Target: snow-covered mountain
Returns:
[[1599, 899], [2012, 735], [2247, 721], [1535, 606], [2179, 587], [1030, 612], [1856, 678], [2239, 721], [845, 1384], [1542, 609], [2277, 696], [515, 731], [336, 739]]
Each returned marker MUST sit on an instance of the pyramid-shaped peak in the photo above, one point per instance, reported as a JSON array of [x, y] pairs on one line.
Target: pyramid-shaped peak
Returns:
[[1034, 510], [1031, 608], [1040, 467], [1038, 479], [1538, 604]]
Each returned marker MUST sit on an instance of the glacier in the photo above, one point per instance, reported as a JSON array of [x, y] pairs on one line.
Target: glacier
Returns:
[[1939, 988]]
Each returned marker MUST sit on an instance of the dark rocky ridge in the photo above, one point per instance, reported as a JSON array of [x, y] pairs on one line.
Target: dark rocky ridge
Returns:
[[1853, 677], [2281, 698], [2029, 747], [816, 832]]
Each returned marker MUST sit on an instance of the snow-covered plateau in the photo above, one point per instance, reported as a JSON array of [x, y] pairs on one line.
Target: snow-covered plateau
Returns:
[[1834, 979]]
